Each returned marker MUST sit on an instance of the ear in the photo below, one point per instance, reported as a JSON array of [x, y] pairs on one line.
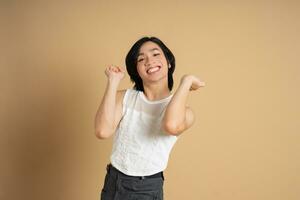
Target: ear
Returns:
[[168, 62]]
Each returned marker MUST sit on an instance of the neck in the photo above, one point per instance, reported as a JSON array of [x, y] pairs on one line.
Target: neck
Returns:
[[155, 92]]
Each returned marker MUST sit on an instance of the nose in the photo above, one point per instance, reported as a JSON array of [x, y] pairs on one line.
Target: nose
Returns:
[[148, 61]]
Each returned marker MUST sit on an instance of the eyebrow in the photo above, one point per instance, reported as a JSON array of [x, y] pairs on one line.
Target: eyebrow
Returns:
[[150, 50]]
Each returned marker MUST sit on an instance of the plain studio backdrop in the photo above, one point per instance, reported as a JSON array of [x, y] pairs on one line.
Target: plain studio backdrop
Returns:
[[245, 144]]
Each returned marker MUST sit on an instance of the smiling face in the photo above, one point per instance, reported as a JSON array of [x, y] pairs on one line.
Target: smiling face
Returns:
[[152, 64]]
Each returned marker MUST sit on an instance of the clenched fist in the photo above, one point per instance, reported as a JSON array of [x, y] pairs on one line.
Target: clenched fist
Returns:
[[114, 73], [194, 82]]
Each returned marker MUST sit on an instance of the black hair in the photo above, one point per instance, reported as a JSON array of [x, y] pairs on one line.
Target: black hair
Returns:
[[131, 62]]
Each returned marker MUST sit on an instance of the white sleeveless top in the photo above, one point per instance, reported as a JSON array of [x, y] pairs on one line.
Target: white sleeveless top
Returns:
[[140, 147]]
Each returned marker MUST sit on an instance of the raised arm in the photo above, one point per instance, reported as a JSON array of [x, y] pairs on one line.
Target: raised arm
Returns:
[[178, 116], [109, 112]]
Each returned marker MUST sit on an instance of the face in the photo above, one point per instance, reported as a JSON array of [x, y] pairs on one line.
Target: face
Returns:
[[152, 64]]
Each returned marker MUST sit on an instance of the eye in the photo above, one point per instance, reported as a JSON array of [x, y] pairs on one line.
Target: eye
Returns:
[[139, 60], [156, 54]]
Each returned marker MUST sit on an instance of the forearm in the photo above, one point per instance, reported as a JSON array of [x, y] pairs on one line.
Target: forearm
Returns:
[[176, 109], [104, 120]]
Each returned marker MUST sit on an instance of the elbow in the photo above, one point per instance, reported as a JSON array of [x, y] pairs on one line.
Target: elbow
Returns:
[[102, 134], [171, 129]]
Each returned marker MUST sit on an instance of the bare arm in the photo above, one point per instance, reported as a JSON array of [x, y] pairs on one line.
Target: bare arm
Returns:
[[109, 112], [178, 116]]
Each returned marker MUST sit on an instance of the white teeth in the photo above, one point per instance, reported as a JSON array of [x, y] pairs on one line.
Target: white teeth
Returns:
[[154, 69]]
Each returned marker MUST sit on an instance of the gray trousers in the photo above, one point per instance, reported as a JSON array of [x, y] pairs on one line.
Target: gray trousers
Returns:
[[119, 186]]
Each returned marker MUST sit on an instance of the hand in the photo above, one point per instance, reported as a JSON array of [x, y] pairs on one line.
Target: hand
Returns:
[[195, 82], [115, 73]]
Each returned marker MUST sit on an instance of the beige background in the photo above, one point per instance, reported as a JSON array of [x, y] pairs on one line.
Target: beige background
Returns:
[[245, 143]]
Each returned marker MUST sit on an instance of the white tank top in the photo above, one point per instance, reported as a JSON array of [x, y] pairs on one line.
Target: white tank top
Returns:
[[140, 147]]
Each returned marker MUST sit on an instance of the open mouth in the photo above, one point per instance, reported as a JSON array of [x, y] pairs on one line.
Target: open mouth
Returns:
[[152, 70]]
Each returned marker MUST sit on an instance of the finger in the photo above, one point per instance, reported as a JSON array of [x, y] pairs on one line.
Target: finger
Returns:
[[114, 69], [122, 69]]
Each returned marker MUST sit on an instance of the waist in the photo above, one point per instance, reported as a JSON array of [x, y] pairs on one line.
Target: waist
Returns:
[[115, 172]]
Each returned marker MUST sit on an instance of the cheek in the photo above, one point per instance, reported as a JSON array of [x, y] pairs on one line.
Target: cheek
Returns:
[[139, 69], [166, 70], [163, 61]]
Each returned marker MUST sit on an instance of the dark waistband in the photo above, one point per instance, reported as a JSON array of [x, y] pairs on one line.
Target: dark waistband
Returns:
[[112, 170]]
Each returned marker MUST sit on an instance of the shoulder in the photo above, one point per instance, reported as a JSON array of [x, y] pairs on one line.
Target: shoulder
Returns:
[[120, 99], [121, 92], [120, 95], [127, 92]]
